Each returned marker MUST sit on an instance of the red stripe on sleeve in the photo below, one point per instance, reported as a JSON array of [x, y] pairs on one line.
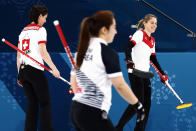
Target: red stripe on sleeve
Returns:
[[42, 42], [133, 42]]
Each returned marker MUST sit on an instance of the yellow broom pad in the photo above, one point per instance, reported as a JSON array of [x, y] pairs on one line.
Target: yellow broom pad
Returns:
[[184, 106]]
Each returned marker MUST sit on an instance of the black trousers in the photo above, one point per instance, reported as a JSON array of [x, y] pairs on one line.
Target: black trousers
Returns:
[[37, 90], [87, 118], [142, 89]]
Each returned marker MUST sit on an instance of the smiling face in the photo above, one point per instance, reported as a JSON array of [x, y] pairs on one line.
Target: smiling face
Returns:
[[150, 25]]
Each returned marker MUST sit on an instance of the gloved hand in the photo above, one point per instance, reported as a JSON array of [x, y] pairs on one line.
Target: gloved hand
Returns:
[[165, 78], [130, 65], [140, 111], [18, 81]]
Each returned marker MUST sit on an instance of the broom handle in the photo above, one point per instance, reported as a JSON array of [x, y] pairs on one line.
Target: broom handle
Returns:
[[167, 83], [14, 47], [170, 87]]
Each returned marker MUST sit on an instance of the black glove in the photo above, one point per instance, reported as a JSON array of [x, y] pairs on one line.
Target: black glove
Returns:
[[140, 111], [18, 81], [130, 65]]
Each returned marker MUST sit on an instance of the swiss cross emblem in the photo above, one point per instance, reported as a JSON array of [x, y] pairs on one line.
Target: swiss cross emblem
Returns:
[[25, 44]]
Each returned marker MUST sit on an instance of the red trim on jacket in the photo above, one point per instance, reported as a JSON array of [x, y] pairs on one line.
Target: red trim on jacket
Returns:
[[32, 27], [148, 40], [41, 42], [133, 41]]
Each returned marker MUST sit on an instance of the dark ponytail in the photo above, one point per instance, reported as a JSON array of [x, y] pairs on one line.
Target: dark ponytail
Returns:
[[90, 27], [83, 41]]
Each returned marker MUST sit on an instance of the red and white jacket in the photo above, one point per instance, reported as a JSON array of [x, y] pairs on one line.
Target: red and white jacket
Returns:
[[29, 40], [143, 49]]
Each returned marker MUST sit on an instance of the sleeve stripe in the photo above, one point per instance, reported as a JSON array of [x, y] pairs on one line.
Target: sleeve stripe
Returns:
[[153, 54], [133, 42], [42, 42], [115, 74]]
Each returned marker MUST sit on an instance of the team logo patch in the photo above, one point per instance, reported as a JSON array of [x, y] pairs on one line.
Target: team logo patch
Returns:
[[25, 44]]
